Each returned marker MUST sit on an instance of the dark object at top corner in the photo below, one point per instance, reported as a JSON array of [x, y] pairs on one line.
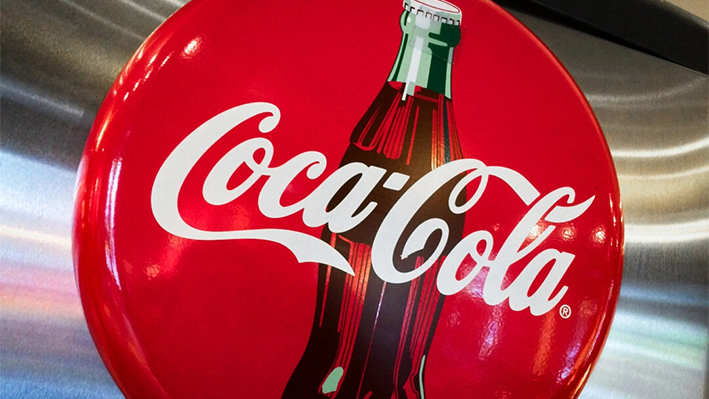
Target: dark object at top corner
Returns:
[[652, 26]]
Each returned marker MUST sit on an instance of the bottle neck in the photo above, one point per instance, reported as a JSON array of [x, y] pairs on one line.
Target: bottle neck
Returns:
[[425, 56]]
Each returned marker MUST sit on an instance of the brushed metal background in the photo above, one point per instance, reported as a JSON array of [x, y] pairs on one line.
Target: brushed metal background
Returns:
[[59, 58]]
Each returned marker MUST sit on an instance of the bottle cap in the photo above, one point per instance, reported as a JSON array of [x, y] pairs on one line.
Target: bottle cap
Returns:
[[437, 10]]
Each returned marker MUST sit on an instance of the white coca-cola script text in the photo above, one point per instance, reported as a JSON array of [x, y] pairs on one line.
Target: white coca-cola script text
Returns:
[[554, 208]]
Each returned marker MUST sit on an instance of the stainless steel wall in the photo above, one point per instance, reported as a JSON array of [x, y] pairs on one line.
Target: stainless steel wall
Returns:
[[59, 58]]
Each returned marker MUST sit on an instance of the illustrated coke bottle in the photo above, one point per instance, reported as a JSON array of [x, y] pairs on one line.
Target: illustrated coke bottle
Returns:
[[370, 338]]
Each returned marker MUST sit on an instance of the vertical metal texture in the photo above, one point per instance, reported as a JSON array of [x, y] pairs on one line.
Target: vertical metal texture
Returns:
[[60, 57]]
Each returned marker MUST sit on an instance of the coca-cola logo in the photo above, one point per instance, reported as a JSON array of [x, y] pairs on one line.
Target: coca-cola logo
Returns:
[[556, 207], [347, 200]]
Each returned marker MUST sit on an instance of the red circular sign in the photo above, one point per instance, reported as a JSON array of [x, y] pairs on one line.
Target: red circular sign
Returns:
[[341, 200]]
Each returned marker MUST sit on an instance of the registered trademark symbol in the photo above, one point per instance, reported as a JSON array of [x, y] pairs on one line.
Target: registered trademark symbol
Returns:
[[565, 311]]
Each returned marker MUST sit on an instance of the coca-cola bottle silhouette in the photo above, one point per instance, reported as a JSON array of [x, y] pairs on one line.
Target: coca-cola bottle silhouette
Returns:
[[370, 338]]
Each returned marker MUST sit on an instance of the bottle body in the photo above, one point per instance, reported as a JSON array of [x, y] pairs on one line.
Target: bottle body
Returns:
[[369, 339]]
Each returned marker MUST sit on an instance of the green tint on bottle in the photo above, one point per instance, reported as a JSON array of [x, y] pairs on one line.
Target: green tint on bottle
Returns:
[[425, 57]]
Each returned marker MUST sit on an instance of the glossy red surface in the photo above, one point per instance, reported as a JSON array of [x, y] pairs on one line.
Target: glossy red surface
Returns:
[[183, 318]]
